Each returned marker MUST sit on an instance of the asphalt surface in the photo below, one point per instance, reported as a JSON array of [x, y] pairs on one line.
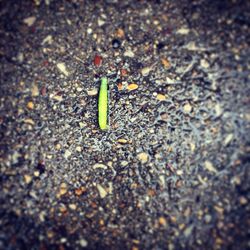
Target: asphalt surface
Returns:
[[172, 171]]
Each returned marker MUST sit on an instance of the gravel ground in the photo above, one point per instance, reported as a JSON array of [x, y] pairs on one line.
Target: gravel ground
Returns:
[[172, 170]]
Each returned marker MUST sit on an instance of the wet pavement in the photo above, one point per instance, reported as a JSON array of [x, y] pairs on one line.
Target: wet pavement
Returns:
[[172, 171]]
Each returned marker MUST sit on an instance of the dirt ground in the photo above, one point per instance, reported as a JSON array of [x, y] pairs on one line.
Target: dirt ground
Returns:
[[172, 171]]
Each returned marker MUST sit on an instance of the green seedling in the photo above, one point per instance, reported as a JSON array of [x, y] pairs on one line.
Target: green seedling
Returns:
[[103, 104]]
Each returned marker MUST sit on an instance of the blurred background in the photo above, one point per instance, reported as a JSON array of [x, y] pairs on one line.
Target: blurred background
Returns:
[[172, 171]]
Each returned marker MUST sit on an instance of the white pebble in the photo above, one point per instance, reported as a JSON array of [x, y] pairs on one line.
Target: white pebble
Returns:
[[210, 167], [67, 154], [204, 64], [187, 108], [100, 22], [103, 193], [89, 31], [179, 172], [48, 39], [99, 165], [29, 21], [228, 139], [142, 157], [63, 240], [218, 110], [145, 71], [183, 31], [83, 242], [92, 92], [62, 68], [129, 53]]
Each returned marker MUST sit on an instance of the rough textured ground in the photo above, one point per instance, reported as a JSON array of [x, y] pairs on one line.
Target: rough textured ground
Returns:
[[171, 172]]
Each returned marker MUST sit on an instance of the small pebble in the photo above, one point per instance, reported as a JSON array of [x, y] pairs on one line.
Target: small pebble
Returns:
[[134, 248], [201, 180], [20, 57], [43, 91], [36, 173], [30, 105], [63, 189], [129, 53], [120, 33], [164, 116], [35, 90], [103, 193], [92, 92], [99, 165], [120, 86], [228, 139], [208, 218], [192, 46], [192, 146], [82, 124], [165, 63], [179, 172], [218, 209], [50, 234], [29, 121], [162, 221], [63, 240], [58, 146], [29, 21], [67, 154], [89, 31], [122, 141], [162, 180], [62, 68], [132, 86], [123, 72], [58, 98], [146, 70], [188, 231], [116, 43], [204, 64], [27, 179], [72, 206], [97, 60], [171, 246], [100, 22], [161, 97], [124, 163], [63, 208], [210, 167], [79, 89], [48, 39], [80, 191], [218, 110], [83, 242], [243, 200], [142, 157], [183, 31], [187, 108]]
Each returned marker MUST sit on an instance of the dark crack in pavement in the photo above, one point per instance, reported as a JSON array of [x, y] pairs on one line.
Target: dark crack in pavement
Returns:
[[172, 171]]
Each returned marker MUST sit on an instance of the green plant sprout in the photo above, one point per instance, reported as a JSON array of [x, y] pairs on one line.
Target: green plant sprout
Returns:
[[103, 104]]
